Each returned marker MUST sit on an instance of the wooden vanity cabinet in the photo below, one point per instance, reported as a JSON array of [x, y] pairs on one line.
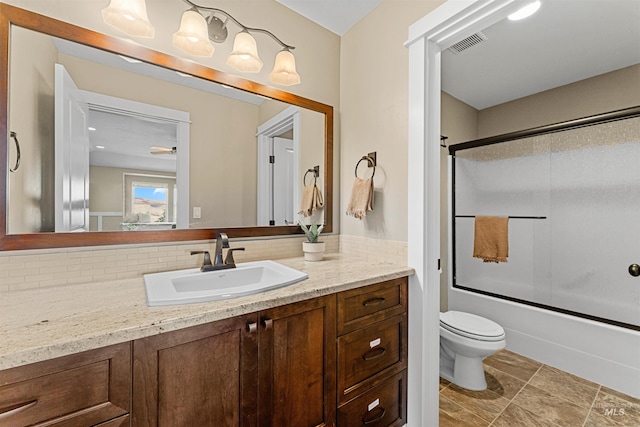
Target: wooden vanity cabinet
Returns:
[[272, 368], [84, 389], [334, 360], [205, 375], [372, 355]]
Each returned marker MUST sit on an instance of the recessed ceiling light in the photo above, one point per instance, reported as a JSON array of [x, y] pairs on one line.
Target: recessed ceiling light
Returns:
[[101, 147], [525, 11], [91, 128]]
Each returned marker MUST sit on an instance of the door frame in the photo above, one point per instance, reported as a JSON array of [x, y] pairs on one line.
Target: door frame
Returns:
[[111, 104], [448, 24], [286, 120]]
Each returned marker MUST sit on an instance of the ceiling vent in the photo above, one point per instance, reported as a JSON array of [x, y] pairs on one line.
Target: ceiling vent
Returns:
[[470, 41]]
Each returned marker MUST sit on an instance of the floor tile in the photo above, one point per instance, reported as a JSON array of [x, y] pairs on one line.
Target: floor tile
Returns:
[[595, 419], [485, 404], [514, 416], [551, 408], [569, 387], [452, 414], [513, 364], [620, 395], [501, 383], [611, 406]]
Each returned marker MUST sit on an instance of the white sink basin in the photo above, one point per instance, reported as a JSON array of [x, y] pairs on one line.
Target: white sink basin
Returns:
[[190, 286]]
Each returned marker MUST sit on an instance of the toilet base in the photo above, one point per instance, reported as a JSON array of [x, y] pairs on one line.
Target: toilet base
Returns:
[[467, 373]]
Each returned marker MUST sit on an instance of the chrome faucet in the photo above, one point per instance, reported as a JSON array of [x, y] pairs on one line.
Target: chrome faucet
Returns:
[[222, 242]]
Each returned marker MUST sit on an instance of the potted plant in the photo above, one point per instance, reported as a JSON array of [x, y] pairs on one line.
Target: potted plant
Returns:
[[313, 250]]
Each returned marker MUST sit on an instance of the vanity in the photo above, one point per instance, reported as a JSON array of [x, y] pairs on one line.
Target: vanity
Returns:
[[328, 351]]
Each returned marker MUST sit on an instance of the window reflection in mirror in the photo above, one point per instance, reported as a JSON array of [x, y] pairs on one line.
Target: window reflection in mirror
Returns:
[[221, 174]]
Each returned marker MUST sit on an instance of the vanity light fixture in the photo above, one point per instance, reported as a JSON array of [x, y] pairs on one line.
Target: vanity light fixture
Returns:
[[201, 25], [525, 11], [129, 16]]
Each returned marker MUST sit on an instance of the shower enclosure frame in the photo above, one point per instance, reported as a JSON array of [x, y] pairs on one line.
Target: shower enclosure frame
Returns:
[[612, 116]]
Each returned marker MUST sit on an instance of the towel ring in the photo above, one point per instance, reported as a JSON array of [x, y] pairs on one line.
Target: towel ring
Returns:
[[315, 178], [370, 161]]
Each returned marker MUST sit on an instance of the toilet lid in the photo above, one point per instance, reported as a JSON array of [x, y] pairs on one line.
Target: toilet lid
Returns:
[[471, 326]]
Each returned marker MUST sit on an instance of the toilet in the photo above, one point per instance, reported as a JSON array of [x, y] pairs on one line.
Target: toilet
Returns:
[[465, 340]]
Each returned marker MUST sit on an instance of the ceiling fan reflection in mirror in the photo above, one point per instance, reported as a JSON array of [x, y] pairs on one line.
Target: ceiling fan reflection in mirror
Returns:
[[163, 150]]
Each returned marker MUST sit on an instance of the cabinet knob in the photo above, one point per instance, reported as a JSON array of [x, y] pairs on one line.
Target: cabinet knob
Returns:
[[634, 270], [267, 323], [252, 327]]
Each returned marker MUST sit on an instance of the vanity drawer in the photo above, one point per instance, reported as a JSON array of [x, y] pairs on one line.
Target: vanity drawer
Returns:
[[367, 355], [361, 307], [382, 406], [82, 389]]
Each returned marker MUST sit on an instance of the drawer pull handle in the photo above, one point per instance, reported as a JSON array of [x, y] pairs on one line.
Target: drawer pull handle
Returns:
[[15, 409], [374, 353], [252, 327], [373, 302], [381, 413], [267, 323]]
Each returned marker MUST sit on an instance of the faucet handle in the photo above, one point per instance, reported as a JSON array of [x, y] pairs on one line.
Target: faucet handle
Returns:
[[207, 258], [229, 258]]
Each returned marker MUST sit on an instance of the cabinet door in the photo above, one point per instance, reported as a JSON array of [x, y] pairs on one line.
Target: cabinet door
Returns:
[[82, 389], [200, 376], [297, 364]]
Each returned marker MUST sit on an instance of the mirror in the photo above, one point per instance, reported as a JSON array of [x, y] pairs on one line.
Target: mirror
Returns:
[[199, 171]]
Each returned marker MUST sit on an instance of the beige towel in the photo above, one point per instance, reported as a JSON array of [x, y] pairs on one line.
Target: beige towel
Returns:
[[312, 200], [361, 198], [491, 238]]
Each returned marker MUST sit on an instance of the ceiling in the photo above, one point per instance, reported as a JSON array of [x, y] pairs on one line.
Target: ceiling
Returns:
[[335, 15], [565, 41]]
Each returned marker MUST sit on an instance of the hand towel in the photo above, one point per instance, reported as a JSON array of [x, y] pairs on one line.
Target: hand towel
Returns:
[[361, 198], [312, 200], [491, 238]]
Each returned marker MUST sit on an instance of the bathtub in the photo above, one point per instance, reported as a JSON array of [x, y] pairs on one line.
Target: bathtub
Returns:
[[602, 353]]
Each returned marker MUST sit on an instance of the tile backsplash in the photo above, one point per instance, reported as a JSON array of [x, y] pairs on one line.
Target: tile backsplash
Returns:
[[57, 267]]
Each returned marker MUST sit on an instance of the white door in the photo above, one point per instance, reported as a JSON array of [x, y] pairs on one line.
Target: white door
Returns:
[[283, 178], [72, 155]]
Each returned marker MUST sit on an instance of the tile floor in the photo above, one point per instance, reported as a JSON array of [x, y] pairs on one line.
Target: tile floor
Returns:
[[522, 392]]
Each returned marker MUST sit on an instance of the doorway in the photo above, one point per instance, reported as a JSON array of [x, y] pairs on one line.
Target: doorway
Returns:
[[279, 169]]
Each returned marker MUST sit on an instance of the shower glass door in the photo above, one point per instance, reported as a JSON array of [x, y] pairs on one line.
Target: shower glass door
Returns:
[[573, 198]]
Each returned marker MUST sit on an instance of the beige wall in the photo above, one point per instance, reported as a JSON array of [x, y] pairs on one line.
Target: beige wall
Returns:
[[374, 114], [31, 186], [600, 94]]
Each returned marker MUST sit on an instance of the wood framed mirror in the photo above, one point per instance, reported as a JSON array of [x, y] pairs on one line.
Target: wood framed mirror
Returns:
[[12, 238]]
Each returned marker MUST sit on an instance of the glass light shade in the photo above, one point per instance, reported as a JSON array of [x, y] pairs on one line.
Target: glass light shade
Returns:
[[244, 56], [192, 37], [284, 71], [129, 16], [525, 11]]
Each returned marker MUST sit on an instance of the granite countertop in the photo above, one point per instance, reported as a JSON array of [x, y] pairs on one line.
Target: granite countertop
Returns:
[[45, 323]]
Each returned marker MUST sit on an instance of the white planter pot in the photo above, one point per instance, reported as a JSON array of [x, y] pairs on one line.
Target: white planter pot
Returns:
[[313, 251]]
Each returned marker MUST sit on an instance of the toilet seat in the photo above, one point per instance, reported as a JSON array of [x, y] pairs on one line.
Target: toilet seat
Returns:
[[471, 326]]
